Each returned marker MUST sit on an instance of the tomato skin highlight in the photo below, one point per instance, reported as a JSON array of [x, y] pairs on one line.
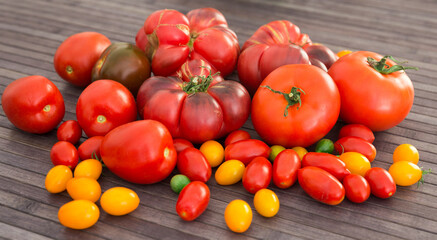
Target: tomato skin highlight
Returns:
[[64, 153], [356, 144], [285, 168], [193, 200], [257, 175], [381, 182], [193, 164], [236, 136], [357, 130], [69, 131], [90, 148], [327, 162], [246, 150], [357, 188]]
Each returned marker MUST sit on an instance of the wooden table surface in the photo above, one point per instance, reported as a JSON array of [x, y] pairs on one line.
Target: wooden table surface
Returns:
[[31, 31]]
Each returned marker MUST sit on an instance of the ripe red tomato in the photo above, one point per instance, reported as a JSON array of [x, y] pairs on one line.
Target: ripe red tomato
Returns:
[[381, 182], [356, 144], [327, 162], [33, 104], [76, 56], [378, 100], [246, 150], [139, 152], [104, 105], [285, 167], [320, 53], [90, 148], [193, 164], [193, 200], [69, 131], [257, 174], [236, 136], [357, 130], [357, 188], [180, 144], [64, 153], [298, 106]]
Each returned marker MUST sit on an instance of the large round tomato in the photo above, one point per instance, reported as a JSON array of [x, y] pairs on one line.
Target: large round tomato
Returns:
[[296, 105], [33, 104], [139, 152], [370, 93]]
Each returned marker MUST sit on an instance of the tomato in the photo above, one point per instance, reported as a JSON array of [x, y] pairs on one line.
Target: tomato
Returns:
[[325, 146], [33, 104], [79, 214], [178, 182], [236, 136], [381, 182], [90, 168], [119, 201], [355, 162], [238, 215], [405, 173], [230, 172], [180, 144], [321, 185], [57, 178], [285, 168], [98, 114], [213, 152], [357, 188], [302, 119], [90, 148], [69, 131], [266, 202], [371, 94], [257, 174], [327, 162], [64, 153], [357, 130], [343, 53], [246, 150], [320, 52], [406, 152], [139, 152], [300, 151], [84, 188], [274, 151], [75, 57], [356, 144], [193, 200], [193, 164]]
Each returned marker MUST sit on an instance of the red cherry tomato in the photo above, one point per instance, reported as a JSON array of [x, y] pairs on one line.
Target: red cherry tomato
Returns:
[[90, 148], [236, 136], [193, 200], [356, 144], [64, 153], [246, 150], [193, 164], [327, 162], [257, 174], [285, 167], [381, 182], [180, 144], [357, 130], [357, 188], [69, 131]]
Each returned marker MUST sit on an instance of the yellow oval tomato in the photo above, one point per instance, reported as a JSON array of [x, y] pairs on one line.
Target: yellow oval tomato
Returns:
[[230, 172], [275, 150], [343, 53], [238, 216], [213, 152], [90, 168], [355, 162], [266, 202], [84, 188], [406, 152], [119, 201], [300, 151], [405, 173], [79, 214], [57, 178]]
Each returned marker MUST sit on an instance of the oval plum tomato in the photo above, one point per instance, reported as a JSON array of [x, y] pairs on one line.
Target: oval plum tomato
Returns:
[[238, 215], [78, 214], [84, 188], [180, 144], [357, 130], [266, 202], [246, 150], [327, 162], [193, 164], [406, 152], [98, 114], [405, 173], [285, 168], [139, 152], [373, 92], [64, 153], [257, 174], [236, 136], [69, 131], [90, 148], [230, 172], [33, 104], [213, 152], [325, 146], [355, 162], [193, 200], [321, 185], [178, 182], [290, 98], [300, 151], [356, 144], [90, 168], [119, 201], [381, 182], [57, 178], [357, 188]]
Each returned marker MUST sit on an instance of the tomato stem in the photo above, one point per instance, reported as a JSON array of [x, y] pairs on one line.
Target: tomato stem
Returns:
[[424, 172], [199, 83], [384, 68], [293, 97]]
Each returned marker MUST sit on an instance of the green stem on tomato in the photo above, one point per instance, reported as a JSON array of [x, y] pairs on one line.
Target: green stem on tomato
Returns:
[[293, 97], [424, 172], [382, 67], [199, 83]]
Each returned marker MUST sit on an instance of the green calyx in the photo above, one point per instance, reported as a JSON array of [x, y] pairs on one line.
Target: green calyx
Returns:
[[382, 67], [293, 97], [199, 83]]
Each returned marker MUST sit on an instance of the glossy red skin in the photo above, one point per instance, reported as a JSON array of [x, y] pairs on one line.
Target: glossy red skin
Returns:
[[327, 162], [139, 152], [368, 97], [69, 131], [356, 144], [357, 130], [236, 136], [173, 38], [90, 148], [304, 125], [246, 150], [64, 153], [23, 102], [285, 168], [381, 182], [197, 117], [80, 51], [320, 52], [273, 45], [257, 174], [321, 185], [118, 109], [180, 144], [193, 164], [357, 188], [193, 200]]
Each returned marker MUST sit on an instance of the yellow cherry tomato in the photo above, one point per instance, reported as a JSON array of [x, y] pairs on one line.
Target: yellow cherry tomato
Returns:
[[406, 152], [355, 162], [119, 201], [230, 172], [275, 150], [213, 151], [266, 202], [84, 188], [405, 173], [343, 52], [57, 178], [79, 214], [238, 216], [91, 168], [300, 151]]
